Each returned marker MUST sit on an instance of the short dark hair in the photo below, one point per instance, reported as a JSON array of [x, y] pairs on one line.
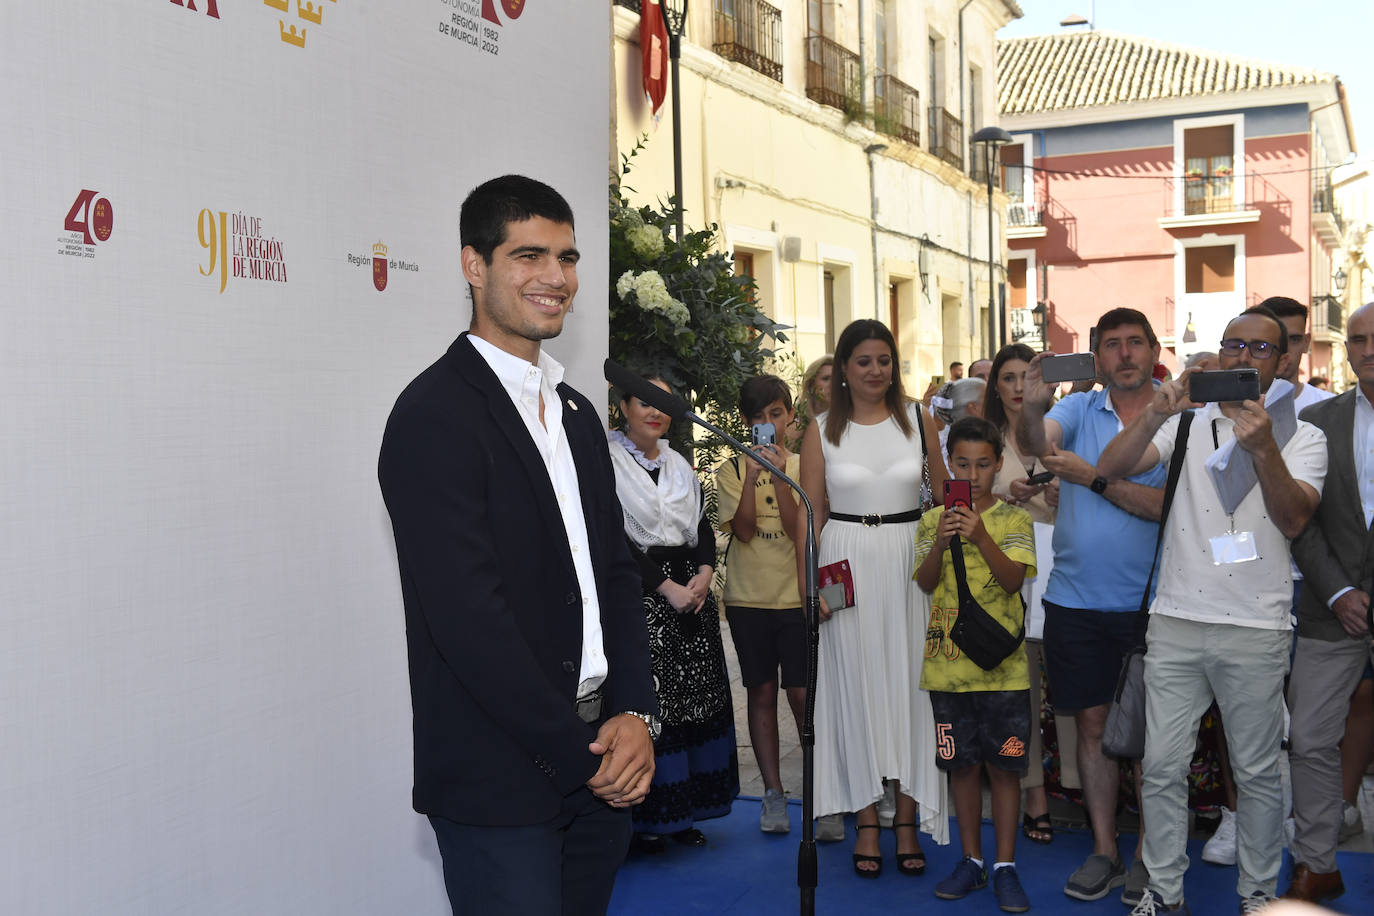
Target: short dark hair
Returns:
[[758, 392], [955, 363], [508, 199], [1115, 318], [1285, 307], [1261, 310], [974, 429]]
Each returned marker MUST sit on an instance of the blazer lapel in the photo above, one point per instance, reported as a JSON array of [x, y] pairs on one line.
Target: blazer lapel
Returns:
[[508, 420]]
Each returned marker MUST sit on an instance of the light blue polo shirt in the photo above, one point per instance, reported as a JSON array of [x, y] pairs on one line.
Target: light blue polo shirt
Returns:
[[1102, 553]]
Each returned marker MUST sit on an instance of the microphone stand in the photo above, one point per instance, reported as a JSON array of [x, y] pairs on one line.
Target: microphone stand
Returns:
[[806, 853]]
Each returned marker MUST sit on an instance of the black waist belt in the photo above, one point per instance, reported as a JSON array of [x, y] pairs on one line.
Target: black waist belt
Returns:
[[589, 707], [873, 521]]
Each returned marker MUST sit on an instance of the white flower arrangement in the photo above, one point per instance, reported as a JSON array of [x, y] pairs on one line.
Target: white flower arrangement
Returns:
[[652, 295], [645, 241]]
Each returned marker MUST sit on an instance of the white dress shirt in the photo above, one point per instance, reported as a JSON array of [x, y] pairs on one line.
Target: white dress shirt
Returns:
[[526, 382]]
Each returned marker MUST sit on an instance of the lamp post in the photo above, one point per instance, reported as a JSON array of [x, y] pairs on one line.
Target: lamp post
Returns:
[[992, 138], [674, 20]]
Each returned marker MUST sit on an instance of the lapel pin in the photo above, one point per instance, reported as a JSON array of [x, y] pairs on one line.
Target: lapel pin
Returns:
[[572, 405]]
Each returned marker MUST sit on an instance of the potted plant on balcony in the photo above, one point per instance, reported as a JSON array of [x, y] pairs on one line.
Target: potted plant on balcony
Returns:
[[1193, 174], [1223, 171]]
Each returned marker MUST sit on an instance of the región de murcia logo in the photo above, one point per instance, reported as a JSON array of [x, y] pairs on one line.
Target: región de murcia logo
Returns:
[[238, 248], [381, 265]]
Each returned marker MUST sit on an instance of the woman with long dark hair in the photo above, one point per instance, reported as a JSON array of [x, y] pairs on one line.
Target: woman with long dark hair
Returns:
[[696, 774], [869, 465]]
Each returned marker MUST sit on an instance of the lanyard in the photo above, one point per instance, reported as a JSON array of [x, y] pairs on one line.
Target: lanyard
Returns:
[[1230, 519]]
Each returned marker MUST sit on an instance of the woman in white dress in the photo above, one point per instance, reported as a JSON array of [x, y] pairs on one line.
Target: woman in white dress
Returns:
[[864, 467]]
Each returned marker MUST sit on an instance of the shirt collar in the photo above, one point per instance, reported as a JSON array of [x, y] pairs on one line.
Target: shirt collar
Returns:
[[517, 375], [1361, 399]]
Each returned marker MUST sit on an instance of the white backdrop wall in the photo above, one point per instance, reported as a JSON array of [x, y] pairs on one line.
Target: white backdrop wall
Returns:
[[203, 696]]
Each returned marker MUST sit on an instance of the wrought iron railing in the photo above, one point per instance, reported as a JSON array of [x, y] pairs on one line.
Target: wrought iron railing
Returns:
[[946, 133], [1324, 198], [832, 73], [750, 32], [896, 109], [1023, 214], [1327, 314], [628, 4], [1212, 194]]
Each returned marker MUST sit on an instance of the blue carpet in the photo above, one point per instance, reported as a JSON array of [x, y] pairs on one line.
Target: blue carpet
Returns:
[[744, 871]]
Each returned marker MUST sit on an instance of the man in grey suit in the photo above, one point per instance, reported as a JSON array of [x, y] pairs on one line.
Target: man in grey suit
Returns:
[[1336, 556]]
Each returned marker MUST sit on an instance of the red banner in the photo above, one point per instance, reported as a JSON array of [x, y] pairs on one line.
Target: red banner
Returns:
[[653, 52]]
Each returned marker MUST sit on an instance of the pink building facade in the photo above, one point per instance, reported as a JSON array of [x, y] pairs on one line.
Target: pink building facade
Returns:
[[1184, 184]]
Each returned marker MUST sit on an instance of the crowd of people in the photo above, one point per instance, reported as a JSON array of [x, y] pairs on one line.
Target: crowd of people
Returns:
[[993, 542], [1058, 544]]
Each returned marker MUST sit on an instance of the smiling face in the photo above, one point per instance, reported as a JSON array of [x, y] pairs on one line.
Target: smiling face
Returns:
[[644, 425], [869, 371], [521, 297]]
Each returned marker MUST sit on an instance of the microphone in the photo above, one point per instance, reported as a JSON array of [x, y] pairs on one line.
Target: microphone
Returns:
[[665, 401]]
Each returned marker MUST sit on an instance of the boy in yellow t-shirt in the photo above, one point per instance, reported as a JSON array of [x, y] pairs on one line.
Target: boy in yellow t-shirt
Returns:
[[982, 718], [762, 602]]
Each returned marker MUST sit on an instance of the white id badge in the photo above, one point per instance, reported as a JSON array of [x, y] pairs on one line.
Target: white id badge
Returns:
[[1236, 547]]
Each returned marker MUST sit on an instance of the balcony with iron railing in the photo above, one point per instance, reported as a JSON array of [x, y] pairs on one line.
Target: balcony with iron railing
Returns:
[[1326, 214], [1205, 200], [1328, 317], [749, 32], [946, 133], [896, 109], [977, 165], [832, 73]]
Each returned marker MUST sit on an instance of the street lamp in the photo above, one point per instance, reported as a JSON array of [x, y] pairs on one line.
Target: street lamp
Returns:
[[1339, 279], [674, 20], [992, 139]]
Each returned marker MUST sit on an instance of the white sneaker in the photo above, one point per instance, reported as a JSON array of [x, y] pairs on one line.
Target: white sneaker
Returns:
[[1221, 848], [773, 818], [887, 805], [1352, 823], [830, 828]]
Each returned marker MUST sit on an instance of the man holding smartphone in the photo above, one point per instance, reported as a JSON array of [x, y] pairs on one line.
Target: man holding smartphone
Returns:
[[1220, 621], [1103, 538]]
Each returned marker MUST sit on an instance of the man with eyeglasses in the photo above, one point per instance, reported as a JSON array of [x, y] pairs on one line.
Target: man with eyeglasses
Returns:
[[1333, 644], [1220, 621]]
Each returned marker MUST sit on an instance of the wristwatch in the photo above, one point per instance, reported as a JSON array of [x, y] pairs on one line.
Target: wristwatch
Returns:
[[1099, 485], [655, 726]]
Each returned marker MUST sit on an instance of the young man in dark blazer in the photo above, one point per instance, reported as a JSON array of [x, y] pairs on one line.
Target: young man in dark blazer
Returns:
[[533, 704], [1336, 557]]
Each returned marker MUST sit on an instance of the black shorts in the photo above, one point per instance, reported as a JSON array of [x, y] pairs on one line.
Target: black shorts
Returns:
[[767, 639], [988, 726], [1083, 653]]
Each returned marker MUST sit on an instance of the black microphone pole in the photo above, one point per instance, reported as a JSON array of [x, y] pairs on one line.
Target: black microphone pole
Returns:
[[677, 408]]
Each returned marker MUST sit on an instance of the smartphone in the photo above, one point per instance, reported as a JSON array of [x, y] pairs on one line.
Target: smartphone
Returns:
[[1036, 480], [1071, 367], [937, 379], [1224, 385], [958, 492], [765, 434]]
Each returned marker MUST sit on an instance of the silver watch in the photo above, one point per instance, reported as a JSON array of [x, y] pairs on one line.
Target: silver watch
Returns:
[[655, 726]]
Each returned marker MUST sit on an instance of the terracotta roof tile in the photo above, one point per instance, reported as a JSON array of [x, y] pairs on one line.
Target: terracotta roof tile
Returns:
[[1089, 68]]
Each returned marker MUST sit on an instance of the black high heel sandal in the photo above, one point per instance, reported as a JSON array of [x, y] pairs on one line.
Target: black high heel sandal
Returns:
[[911, 864], [862, 859]]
